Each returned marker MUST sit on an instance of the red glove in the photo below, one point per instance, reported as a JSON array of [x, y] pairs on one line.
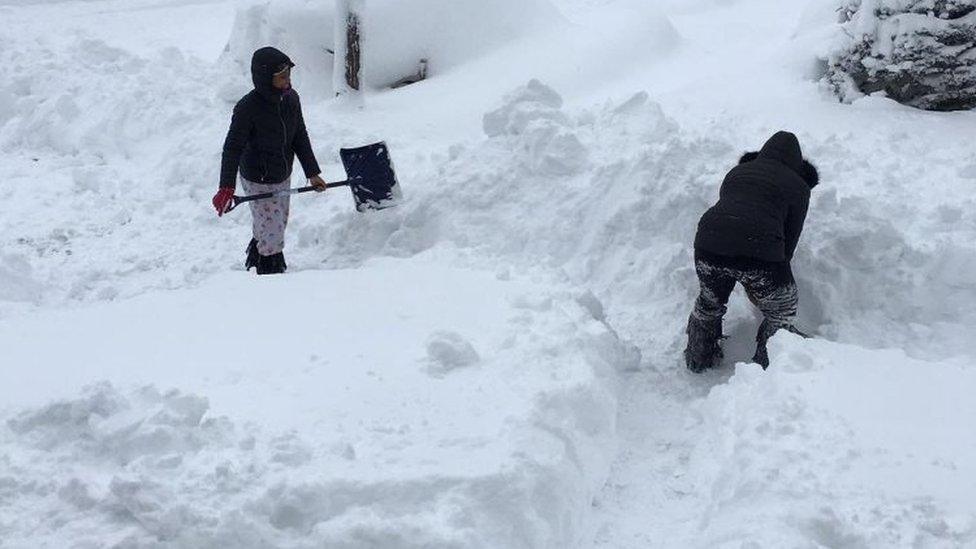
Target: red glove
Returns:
[[222, 200]]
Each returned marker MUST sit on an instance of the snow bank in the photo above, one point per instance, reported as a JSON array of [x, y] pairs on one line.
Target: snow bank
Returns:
[[106, 157], [303, 29], [610, 197], [447, 33], [887, 244], [836, 445], [379, 415], [396, 35], [45, 112], [144, 27]]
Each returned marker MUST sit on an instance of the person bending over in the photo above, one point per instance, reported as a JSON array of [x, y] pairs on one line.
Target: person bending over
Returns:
[[749, 237]]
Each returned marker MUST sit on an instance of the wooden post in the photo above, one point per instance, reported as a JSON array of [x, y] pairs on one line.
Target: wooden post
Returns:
[[353, 67], [347, 67]]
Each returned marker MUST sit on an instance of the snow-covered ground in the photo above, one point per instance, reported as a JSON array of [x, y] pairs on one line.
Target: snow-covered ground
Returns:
[[360, 406], [495, 362]]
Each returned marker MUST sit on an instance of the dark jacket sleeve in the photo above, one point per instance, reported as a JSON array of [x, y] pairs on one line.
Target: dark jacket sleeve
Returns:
[[303, 147], [795, 217], [237, 135]]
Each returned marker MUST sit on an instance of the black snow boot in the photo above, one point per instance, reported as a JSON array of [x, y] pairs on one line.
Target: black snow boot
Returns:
[[766, 331], [762, 336], [252, 255], [272, 264], [762, 356], [703, 351]]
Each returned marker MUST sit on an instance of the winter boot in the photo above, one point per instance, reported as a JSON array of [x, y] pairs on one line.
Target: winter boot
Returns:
[[766, 331], [252, 255], [271, 264], [762, 356], [703, 351]]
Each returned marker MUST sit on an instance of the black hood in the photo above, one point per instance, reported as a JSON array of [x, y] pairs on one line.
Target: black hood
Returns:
[[784, 147], [264, 64]]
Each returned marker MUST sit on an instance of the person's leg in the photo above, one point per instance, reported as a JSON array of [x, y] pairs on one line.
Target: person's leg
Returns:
[[275, 221], [705, 322], [269, 219], [773, 290]]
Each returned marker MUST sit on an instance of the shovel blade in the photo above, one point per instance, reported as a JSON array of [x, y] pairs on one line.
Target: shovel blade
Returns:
[[371, 177]]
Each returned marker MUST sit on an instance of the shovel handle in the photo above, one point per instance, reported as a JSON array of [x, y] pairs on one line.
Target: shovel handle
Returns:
[[238, 200]]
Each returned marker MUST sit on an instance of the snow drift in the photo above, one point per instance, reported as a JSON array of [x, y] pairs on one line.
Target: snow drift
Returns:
[[396, 35], [403, 421], [833, 446]]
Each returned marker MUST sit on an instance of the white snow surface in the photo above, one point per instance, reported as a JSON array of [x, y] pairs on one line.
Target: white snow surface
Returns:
[[496, 362], [342, 430], [395, 35]]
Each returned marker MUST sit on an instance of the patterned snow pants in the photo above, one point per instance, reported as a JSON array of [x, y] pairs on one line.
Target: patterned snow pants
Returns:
[[269, 217], [769, 285]]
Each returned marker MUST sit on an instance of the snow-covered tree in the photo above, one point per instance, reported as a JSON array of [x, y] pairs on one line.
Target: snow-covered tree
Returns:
[[919, 52]]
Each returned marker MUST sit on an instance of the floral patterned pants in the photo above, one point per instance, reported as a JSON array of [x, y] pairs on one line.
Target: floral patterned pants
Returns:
[[269, 217]]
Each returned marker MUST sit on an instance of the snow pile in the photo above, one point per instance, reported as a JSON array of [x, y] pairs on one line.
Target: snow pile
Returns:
[[402, 421], [303, 29], [116, 458], [547, 145], [882, 267], [48, 115], [920, 53], [611, 196], [834, 446], [607, 197], [99, 197], [396, 35]]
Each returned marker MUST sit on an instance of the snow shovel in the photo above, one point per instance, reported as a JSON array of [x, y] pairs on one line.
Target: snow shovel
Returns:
[[370, 176]]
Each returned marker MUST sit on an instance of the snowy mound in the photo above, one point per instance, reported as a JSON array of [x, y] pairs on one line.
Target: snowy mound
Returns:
[[838, 446], [385, 426], [611, 197], [447, 33]]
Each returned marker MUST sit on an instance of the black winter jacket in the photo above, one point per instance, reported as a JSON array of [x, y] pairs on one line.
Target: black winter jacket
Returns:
[[267, 129], [762, 204]]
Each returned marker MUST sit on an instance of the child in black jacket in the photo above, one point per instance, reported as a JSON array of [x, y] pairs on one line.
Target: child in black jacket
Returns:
[[267, 131]]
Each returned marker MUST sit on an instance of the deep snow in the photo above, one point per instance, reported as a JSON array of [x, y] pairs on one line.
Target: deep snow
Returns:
[[457, 371], [401, 421]]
